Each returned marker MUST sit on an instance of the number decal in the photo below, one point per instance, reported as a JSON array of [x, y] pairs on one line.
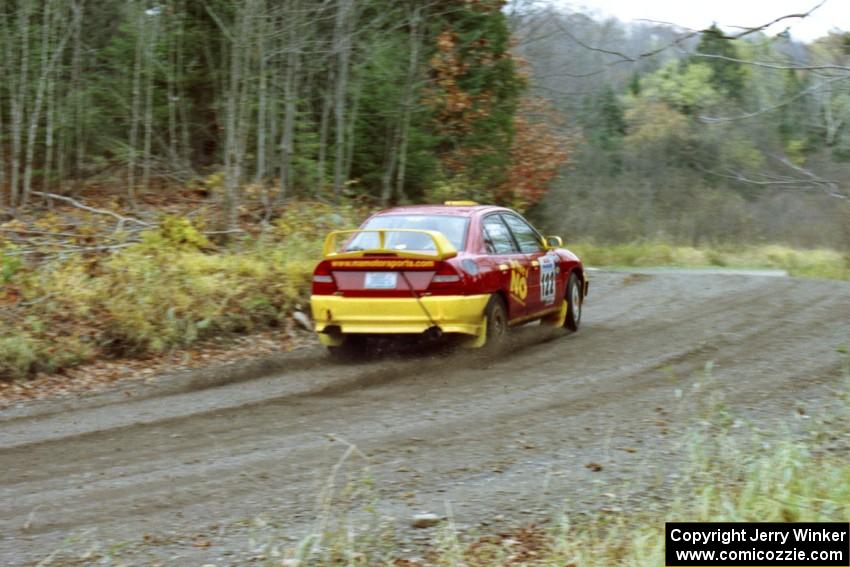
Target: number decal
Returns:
[[547, 280]]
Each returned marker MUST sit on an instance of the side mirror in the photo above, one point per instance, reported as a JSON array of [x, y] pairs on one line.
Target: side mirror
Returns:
[[553, 241]]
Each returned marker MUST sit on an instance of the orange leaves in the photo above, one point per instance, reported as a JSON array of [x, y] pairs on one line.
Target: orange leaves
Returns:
[[473, 94], [453, 104], [539, 149]]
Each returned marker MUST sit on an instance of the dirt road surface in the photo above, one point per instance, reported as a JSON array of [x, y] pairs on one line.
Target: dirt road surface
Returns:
[[560, 421]]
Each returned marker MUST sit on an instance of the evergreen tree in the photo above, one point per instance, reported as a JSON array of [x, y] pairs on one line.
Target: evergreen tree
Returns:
[[728, 77]]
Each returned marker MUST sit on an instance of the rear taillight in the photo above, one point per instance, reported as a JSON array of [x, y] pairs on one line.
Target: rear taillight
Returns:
[[323, 280], [446, 280]]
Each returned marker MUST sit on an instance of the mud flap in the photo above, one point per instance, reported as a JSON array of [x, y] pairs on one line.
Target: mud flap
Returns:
[[479, 340], [557, 318]]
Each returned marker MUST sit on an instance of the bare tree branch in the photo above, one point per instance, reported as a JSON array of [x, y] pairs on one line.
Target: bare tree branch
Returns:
[[779, 66], [829, 186], [751, 30], [810, 181], [79, 205], [786, 102], [624, 58]]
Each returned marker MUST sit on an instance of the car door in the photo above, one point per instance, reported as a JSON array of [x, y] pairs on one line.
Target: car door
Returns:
[[542, 266], [512, 264]]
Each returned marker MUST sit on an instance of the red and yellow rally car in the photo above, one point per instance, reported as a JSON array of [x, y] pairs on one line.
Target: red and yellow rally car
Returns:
[[460, 268]]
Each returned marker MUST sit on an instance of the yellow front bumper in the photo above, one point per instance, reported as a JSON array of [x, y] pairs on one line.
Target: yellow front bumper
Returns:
[[452, 313]]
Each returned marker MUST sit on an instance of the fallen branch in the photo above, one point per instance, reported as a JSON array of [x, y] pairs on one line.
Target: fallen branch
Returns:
[[121, 219], [41, 232]]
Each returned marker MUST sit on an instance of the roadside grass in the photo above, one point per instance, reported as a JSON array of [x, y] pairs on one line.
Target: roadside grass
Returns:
[[732, 471], [176, 286], [795, 474], [817, 263]]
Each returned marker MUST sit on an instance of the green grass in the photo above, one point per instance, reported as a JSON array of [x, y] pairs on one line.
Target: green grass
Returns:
[[817, 263]]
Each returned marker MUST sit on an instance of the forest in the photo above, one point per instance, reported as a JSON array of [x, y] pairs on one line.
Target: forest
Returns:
[[698, 137], [259, 99], [168, 168], [654, 132]]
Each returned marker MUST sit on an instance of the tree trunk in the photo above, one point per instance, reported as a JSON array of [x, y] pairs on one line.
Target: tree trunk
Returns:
[[407, 105], [19, 100], [390, 169], [287, 142], [135, 106], [235, 112], [262, 103], [323, 140], [47, 64], [150, 69], [5, 79], [352, 128], [342, 49], [76, 88]]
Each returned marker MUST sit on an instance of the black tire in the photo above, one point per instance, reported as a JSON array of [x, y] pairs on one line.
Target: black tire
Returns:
[[350, 349], [497, 323], [575, 299]]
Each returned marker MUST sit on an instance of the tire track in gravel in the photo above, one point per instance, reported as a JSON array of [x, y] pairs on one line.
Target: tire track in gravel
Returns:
[[480, 433]]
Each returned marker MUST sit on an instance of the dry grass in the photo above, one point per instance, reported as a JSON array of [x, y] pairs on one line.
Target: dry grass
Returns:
[[820, 263], [165, 292], [757, 477]]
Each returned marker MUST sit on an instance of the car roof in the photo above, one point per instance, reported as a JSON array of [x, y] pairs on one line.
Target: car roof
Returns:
[[452, 210]]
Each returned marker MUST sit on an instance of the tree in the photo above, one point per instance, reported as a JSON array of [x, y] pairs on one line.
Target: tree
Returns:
[[474, 92], [728, 76]]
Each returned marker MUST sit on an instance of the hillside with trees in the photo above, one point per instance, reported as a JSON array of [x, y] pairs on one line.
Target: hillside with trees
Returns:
[[695, 136]]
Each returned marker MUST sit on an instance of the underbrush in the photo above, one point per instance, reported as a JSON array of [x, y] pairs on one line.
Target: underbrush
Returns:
[[796, 475], [820, 263], [165, 291], [171, 285]]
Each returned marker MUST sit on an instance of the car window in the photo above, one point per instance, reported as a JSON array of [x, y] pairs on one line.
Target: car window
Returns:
[[452, 227], [497, 238], [526, 237]]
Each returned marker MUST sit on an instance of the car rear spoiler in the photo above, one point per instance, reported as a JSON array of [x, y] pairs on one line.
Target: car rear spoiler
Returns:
[[443, 249]]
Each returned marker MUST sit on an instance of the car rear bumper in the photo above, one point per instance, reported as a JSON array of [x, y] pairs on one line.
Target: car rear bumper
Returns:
[[389, 315]]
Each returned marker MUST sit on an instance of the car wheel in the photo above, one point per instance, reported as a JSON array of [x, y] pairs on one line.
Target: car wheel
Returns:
[[574, 303], [497, 323], [348, 350]]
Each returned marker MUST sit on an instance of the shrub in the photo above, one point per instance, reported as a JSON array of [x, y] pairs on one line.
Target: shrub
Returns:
[[167, 291], [17, 354]]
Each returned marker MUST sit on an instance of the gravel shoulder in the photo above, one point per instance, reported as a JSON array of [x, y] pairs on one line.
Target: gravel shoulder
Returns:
[[554, 423]]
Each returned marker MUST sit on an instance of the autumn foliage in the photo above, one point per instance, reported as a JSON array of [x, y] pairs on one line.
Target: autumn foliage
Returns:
[[539, 148], [473, 94]]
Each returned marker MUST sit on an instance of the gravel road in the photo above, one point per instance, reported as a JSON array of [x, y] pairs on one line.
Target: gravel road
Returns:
[[560, 420]]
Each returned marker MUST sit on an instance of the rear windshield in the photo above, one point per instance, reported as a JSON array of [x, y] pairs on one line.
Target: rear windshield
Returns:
[[452, 227]]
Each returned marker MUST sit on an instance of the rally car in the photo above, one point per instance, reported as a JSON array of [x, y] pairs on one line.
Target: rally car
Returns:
[[458, 268]]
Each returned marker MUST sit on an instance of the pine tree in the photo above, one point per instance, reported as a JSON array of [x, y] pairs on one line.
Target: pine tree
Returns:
[[728, 76]]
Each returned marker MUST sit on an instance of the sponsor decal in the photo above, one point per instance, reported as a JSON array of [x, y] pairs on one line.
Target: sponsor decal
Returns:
[[401, 263], [519, 280]]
